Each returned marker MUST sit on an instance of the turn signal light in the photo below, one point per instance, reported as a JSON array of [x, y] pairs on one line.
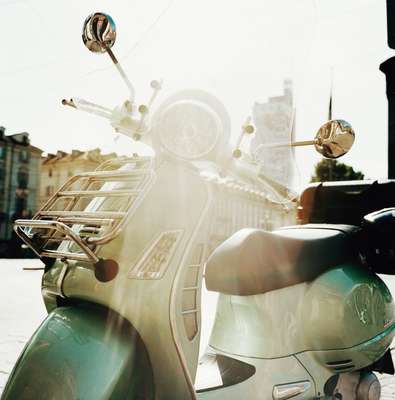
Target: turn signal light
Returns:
[[283, 392]]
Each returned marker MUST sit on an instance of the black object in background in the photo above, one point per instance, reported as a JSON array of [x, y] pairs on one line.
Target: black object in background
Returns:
[[388, 68], [345, 202], [391, 23]]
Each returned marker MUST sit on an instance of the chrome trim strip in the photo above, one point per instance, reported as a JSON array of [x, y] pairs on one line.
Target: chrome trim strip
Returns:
[[98, 193], [59, 227], [173, 296], [286, 391]]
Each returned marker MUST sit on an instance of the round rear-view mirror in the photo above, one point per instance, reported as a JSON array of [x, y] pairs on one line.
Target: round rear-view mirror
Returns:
[[334, 139], [99, 32]]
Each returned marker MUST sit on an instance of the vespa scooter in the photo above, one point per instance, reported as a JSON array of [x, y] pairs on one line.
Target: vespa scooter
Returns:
[[300, 313]]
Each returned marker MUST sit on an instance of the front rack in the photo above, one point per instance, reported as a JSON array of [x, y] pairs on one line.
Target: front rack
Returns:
[[89, 210]]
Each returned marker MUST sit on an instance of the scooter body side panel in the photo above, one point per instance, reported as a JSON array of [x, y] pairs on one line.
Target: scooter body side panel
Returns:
[[158, 287], [82, 352], [146, 300], [269, 373], [344, 307], [320, 363], [265, 326]]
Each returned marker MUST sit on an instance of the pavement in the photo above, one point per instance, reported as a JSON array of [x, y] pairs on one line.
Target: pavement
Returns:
[[22, 310]]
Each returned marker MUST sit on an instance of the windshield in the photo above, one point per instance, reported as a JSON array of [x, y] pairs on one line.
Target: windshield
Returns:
[[265, 59]]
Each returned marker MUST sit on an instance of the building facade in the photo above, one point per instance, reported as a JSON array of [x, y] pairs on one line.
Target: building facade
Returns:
[[57, 168], [274, 121], [20, 165]]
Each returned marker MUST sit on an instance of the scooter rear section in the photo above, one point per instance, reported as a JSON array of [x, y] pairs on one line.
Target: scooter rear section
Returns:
[[336, 326], [316, 327], [82, 352]]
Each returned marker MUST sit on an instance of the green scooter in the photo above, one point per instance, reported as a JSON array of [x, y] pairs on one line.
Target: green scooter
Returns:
[[301, 312]]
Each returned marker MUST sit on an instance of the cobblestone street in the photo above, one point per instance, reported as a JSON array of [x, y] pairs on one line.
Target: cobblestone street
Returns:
[[22, 310], [388, 386]]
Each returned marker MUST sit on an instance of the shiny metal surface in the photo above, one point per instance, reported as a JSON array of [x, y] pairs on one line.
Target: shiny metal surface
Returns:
[[341, 309], [369, 387], [54, 227], [345, 307], [334, 138], [142, 301], [99, 222], [84, 352], [99, 32], [269, 373], [283, 392]]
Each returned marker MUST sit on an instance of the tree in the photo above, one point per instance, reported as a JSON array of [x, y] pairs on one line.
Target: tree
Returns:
[[332, 170]]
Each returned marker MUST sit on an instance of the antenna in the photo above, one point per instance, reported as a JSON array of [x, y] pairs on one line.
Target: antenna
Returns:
[[330, 97]]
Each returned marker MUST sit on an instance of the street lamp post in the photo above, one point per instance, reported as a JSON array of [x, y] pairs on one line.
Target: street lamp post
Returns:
[[388, 68]]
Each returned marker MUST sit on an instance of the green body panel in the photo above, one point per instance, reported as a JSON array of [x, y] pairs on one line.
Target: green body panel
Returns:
[[154, 306], [296, 329], [158, 287], [82, 352], [344, 307], [260, 386], [340, 322], [359, 356]]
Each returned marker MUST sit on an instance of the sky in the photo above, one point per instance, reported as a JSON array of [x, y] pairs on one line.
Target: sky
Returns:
[[240, 51]]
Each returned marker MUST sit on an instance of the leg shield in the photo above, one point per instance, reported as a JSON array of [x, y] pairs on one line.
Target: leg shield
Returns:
[[82, 352]]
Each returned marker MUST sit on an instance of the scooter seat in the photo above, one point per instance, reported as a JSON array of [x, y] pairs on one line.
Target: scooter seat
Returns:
[[254, 261]]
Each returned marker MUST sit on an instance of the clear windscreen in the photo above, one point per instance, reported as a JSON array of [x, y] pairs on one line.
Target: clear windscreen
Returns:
[[266, 59], [279, 63]]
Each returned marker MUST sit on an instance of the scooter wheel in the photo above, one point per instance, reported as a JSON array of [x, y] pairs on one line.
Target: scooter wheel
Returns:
[[369, 387]]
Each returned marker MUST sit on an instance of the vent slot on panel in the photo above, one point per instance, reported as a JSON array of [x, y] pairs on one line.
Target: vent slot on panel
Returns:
[[190, 306], [341, 365], [156, 259]]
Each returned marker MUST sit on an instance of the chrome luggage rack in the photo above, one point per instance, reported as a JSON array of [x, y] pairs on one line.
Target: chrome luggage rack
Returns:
[[89, 210]]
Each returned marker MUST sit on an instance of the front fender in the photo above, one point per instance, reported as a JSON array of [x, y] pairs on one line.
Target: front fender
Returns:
[[82, 352]]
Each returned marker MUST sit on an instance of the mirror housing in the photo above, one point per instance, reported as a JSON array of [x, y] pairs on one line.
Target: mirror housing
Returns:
[[334, 139], [99, 32]]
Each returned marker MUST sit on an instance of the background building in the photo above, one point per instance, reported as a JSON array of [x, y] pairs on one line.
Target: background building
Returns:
[[57, 168], [20, 164], [275, 123]]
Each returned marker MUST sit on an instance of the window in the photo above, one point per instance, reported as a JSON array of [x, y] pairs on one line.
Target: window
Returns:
[[20, 205], [2, 153], [23, 177], [50, 173], [2, 175], [49, 190], [24, 156]]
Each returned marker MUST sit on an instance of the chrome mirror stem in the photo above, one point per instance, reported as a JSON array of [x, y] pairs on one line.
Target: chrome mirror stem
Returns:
[[334, 139], [289, 144], [121, 72]]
